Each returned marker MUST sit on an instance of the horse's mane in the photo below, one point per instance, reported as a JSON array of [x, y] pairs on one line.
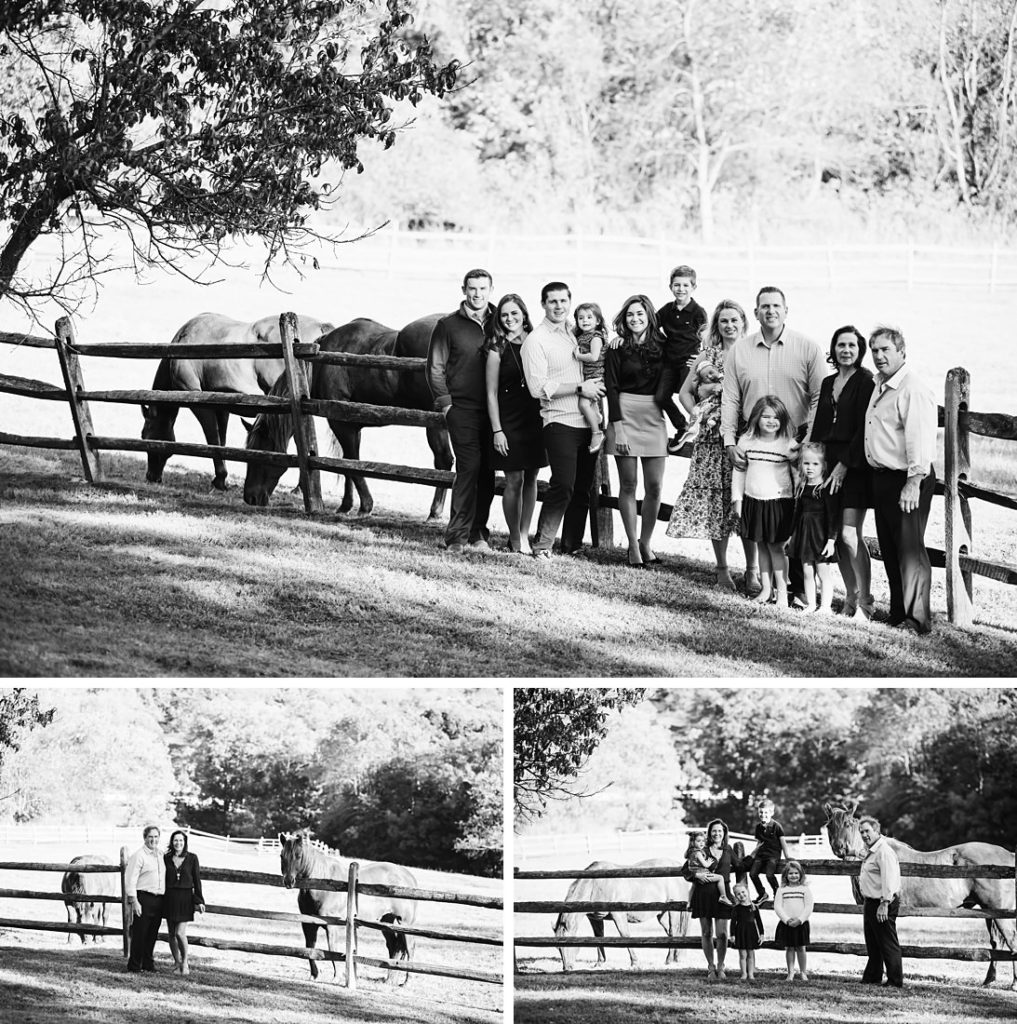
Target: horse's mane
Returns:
[[315, 863], [274, 427]]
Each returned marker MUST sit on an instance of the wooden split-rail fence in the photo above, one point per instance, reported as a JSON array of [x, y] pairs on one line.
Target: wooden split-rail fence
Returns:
[[814, 867], [350, 956], [958, 421]]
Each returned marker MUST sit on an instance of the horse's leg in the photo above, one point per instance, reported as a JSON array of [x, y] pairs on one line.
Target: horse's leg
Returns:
[[331, 948], [73, 917], [622, 924], [597, 924], [437, 438], [352, 449], [669, 922], [310, 939], [210, 424]]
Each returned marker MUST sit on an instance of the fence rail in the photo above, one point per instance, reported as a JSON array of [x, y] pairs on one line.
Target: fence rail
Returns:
[[958, 421], [351, 922]]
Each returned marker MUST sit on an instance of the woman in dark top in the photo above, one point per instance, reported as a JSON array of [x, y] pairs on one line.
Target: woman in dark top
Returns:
[[515, 418], [636, 429], [710, 898], [183, 897], [840, 425]]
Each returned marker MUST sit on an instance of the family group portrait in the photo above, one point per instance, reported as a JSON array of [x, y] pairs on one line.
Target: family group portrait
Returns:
[[757, 854], [251, 854], [670, 367]]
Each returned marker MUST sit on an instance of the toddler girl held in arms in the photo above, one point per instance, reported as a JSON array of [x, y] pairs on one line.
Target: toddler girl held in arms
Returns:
[[591, 337], [706, 411]]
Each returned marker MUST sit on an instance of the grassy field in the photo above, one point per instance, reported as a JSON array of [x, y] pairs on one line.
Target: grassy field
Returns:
[[936, 990], [44, 979]]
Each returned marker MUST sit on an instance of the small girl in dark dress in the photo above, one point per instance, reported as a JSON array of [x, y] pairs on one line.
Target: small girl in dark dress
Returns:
[[815, 526], [746, 931], [793, 905], [590, 348], [183, 897]]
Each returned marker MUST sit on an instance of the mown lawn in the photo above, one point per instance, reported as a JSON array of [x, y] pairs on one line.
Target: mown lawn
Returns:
[[132, 579]]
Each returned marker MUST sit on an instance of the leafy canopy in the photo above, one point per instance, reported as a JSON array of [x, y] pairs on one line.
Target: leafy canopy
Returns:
[[183, 122]]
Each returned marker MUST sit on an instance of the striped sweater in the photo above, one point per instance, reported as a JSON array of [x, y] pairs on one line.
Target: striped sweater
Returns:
[[793, 901], [768, 474]]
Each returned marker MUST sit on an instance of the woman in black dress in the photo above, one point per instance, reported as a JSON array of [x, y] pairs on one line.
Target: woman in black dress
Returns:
[[515, 419], [637, 432], [183, 897], [710, 899], [840, 425]]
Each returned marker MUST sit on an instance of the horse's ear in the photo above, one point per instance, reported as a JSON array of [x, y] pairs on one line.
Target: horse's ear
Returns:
[[283, 839], [248, 425], [854, 807], [828, 810]]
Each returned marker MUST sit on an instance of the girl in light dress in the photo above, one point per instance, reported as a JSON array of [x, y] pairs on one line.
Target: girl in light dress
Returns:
[[763, 493], [815, 526], [793, 905]]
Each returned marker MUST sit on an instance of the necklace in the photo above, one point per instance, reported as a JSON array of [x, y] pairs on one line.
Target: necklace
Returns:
[[519, 366]]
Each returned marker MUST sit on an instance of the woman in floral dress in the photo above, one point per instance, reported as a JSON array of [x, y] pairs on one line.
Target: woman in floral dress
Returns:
[[703, 508]]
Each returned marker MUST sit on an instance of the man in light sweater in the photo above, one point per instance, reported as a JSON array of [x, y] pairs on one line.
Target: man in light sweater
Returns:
[[879, 881], [555, 377], [145, 886]]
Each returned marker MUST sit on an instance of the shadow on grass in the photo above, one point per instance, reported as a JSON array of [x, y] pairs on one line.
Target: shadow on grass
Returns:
[[683, 995], [169, 581], [42, 987]]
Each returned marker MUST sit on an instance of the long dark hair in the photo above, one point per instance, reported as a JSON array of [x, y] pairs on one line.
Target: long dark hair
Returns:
[[496, 339], [652, 347], [177, 832]]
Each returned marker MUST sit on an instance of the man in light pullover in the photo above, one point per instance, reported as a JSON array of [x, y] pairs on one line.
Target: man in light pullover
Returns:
[[145, 886], [879, 881]]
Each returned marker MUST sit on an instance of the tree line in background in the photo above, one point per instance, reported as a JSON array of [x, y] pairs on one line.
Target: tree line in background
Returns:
[[413, 776], [745, 120], [936, 765]]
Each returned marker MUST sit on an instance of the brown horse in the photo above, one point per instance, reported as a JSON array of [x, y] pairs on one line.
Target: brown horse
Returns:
[[88, 883], [986, 893], [301, 860], [623, 890], [366, 384], [242, 376]]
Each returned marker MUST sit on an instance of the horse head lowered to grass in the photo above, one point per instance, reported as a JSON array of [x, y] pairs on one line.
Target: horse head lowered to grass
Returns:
[[301, 860], [916, 891], [364, 384]]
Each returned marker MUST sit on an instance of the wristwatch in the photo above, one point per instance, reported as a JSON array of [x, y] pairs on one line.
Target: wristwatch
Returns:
[[579, 389]]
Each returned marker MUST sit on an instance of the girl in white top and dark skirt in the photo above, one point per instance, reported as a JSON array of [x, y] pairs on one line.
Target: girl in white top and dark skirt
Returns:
[[793, 905]]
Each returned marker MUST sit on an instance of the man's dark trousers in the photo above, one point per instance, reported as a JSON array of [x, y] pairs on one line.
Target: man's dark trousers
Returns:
[[145, 932], [568, 492], [882, 944], [902, 544], [469, 430]]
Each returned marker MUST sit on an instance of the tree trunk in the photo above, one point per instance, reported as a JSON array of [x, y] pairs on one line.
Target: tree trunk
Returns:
[[28, 230]]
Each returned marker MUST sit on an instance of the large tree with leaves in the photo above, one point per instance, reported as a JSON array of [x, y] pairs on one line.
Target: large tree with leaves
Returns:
[[554, 734], [20, 712], [184, 122]]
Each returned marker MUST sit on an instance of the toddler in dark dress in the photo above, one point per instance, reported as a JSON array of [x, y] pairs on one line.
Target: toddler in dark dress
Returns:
[[590, 347], [815, 526], [746, 931]]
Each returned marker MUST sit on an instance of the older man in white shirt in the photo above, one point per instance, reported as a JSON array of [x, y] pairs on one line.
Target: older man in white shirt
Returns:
[[879, 881], [145, 886], [555, 376], [900, 444]]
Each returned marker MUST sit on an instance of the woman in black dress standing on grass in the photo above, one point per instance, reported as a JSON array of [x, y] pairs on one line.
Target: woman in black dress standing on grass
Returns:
[[183, 896], [710, 899], [515, 419], [839, 424]]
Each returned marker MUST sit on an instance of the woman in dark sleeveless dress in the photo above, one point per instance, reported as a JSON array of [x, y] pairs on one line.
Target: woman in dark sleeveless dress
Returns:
[[710, 898], [515, 419], [183, 897], [840, 425]]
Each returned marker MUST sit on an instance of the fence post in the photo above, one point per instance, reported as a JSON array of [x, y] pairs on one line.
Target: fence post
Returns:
[[80, 414], [351, 929], [126, 911], [601, 521], [303, 426], [959, 587]]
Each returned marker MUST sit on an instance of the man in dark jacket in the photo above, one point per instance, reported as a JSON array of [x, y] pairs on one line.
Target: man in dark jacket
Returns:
[[455, 375]]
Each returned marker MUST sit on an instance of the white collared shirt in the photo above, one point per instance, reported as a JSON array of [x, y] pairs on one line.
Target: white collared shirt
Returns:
[[879, 877], [146, 872], [548, 363], [900, 424]]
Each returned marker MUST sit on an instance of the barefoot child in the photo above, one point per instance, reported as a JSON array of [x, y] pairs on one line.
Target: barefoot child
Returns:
[[793, 905], [591, 337], [746, 931], [763, 493], [815, 527]]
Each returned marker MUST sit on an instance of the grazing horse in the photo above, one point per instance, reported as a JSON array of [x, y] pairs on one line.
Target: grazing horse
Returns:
[[243, 376], [987, 893], [301, 860], [624, 890], [366, 384], [88, 883]]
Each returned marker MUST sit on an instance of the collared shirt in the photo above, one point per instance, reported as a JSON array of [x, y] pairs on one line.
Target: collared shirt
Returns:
[[548, 363], [146, 872], [791, 367], [900, 424], [879, 878], [456, 364]]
